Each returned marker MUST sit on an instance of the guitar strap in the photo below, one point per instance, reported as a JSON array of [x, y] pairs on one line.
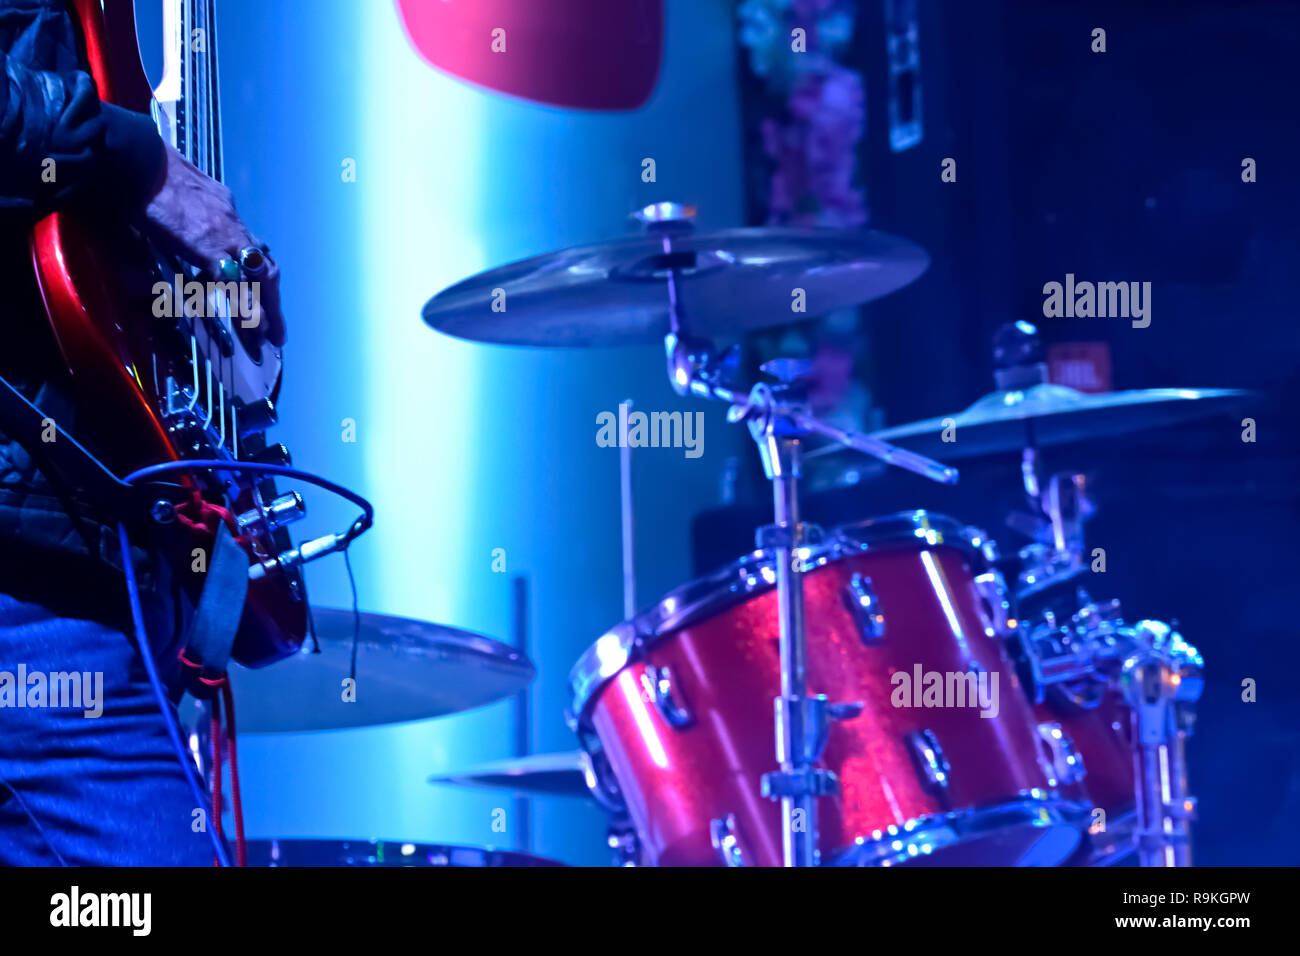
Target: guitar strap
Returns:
[[215, 623], [44, 439]]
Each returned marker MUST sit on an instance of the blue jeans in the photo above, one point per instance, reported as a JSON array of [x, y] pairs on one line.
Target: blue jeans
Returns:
[[102, 790]]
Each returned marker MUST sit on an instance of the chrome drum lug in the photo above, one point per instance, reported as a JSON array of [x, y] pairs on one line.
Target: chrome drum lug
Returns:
[[725, 840], [864, 606], [674, 712], [930, 761], [1065, 767]]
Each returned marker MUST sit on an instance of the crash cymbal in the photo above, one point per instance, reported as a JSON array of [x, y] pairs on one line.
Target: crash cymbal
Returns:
[[616, 293], [406, 670], [564, 774], [1044, 415]]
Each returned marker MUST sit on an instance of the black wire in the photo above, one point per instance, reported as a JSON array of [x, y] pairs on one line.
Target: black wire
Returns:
[[356, 614], [358, 527], [164, 703]]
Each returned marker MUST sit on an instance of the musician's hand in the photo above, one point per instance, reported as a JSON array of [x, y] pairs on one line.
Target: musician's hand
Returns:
[[193, 216]]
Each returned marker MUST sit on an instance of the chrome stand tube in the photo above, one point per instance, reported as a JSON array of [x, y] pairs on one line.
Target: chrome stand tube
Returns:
[[1162, 685], [802, 721], [1164, 804], [798, 803]]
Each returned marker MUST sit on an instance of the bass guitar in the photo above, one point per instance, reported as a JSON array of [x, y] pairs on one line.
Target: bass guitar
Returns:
[[164, 347]]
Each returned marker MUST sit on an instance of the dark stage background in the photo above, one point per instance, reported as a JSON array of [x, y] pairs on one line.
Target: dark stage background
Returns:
[[1117, 166]]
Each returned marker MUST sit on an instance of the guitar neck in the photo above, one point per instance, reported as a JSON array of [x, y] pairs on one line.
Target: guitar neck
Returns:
[[189, 98]]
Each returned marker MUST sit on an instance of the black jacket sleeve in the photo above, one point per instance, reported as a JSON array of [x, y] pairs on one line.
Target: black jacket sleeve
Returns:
[[60, 146]]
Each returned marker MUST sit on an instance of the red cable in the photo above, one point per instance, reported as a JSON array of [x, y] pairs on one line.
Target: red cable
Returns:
[[215, 731], [241, 848], [210, 516]]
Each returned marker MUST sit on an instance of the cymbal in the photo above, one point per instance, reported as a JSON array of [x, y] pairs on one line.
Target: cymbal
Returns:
[[616, 293], [406, 670], [1045, 415], [564, 774]]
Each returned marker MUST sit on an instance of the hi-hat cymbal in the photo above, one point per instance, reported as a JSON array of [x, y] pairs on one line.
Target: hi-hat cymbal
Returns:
[[564, 774], [731, 281], [1045, 415], [406, 670]]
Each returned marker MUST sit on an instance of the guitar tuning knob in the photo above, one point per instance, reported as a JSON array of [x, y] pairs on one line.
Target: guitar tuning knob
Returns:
[[255, 417], [276, 454]]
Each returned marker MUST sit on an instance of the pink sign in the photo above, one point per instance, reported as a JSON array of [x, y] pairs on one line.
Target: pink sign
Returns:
[[585, 54]]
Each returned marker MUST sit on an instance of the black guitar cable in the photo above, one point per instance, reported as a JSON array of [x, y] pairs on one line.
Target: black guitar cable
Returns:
[[301, 555]]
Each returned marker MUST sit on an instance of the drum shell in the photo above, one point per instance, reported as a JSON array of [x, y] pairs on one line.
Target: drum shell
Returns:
[[725, 670], [1102, 736]]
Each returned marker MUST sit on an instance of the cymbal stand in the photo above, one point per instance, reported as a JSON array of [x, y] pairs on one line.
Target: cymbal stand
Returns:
[[1162, 682], [778, 421], [1057, 525]]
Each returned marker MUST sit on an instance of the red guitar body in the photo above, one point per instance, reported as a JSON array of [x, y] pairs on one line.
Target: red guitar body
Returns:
[[97, 280]]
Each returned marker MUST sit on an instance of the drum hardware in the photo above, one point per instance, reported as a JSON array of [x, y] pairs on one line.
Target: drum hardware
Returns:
[[623, 842], [1041, 568], [1055, 524], [1159, 677], [723, 834], [930, 761], [1066, 656], [660, 681], [1056, 528], [627, 524], [1115, 842], [599, 778], [864, 605], [921, 839], [777, 424], [1162, 682], [994, 603], [1066, 762], [1056, 558]]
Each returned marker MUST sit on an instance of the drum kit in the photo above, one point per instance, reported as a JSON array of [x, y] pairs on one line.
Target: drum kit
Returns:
[[891, 691]]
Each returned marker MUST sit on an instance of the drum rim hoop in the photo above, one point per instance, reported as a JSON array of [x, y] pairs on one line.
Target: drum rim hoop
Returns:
[[1038, 808]]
